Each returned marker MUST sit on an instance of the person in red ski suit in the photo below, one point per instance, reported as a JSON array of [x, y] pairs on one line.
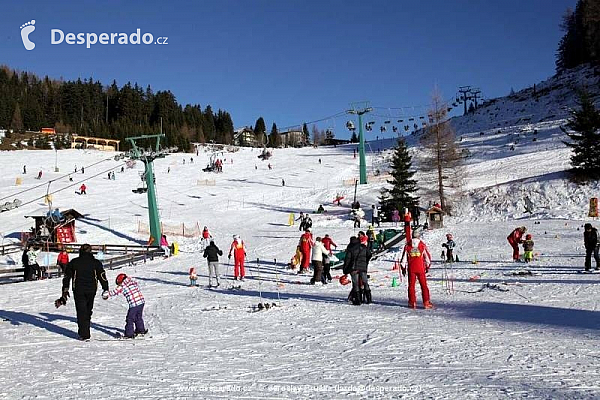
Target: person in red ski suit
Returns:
[[306, 244], [238, 249], [62, 261], [514, 239], [418, 259], [206, 234]]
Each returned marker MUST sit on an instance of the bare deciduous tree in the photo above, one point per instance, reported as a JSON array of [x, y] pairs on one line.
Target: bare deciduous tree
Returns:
[[442, 156]]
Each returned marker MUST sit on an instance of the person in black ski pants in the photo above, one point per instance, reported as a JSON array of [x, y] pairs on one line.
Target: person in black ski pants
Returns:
[[85, 272], [590, 238]]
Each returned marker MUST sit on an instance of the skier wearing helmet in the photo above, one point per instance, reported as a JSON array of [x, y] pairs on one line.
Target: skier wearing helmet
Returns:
[[449, 245], [528, 248], [514, 239], [85, 272], [135, 299]]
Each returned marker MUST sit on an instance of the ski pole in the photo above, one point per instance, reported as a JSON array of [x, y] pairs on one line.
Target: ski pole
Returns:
[[259, 280], [277, 282]]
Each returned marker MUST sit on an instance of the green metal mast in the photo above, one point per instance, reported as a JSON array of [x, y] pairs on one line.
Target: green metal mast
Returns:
[[360, 109], [147, 157]]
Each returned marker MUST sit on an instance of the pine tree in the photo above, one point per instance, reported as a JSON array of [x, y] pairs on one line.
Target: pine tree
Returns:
[[274, 139], [402, 193], [583, 129]]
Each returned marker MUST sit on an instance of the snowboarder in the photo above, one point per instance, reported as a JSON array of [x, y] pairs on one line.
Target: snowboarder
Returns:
[[85, 272], [62, 261], [528, 248], [514, 239], [356, 263], [82, 189], [164, 244], [449, 245], [135, 300], [306, 244], [590, 238], [318, 252], [416, 261], [212, 253], [328, 243], [238, 249]]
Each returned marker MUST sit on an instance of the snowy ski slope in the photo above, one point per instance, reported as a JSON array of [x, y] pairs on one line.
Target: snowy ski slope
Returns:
[[492, 335]]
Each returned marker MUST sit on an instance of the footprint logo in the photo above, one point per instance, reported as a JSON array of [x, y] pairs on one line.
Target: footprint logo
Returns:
[[26, 29]]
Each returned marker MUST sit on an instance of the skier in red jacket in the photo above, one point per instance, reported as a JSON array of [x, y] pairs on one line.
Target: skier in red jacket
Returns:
[[514, 239], [238, 249], [418, 259], [306, 244]]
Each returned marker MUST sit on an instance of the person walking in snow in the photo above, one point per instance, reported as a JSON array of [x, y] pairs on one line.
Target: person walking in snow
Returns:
[[212, 253], [528, 248], [416, 260], [318, 253], [61, 261], [516, 238], [592, 246], [328, 243], [135, 300], [84, 272], [238, 249], [375, 216], [449, 245], [306, 244]]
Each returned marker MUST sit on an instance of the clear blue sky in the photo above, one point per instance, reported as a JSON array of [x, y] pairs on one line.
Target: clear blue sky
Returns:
[[296, 60]]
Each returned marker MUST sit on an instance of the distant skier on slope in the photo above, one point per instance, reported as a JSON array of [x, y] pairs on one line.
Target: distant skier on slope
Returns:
[[516, 238]]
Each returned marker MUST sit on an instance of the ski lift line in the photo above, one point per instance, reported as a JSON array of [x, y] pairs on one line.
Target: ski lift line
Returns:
[[339, 114], [71, 185], [413, 106], [52, 180]]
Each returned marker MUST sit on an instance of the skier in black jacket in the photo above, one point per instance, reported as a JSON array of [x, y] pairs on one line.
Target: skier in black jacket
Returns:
[[590, 238], [212, 253], [85, 272]]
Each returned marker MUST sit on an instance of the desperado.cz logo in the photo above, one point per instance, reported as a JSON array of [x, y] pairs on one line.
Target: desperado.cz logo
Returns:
[[57, 36]]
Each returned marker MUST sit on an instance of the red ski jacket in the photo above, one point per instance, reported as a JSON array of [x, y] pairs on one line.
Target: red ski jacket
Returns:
[[238, 249], [418, 256], [306, 242], [515, 236], [63, 258]]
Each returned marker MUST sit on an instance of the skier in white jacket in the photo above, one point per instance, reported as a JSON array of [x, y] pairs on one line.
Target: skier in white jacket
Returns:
[[318, 251]]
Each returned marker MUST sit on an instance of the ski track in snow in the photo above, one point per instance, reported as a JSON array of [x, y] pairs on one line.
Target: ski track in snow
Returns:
[[539, 339]]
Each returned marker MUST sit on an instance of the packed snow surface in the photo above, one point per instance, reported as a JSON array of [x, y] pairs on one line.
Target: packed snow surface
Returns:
[[492, 334]]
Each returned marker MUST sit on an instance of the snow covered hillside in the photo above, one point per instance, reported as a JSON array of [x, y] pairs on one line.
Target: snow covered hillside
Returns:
[[493, 334]]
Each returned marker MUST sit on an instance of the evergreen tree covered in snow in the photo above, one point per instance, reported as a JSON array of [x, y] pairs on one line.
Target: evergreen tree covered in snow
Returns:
[[402, 193], [584, 130]]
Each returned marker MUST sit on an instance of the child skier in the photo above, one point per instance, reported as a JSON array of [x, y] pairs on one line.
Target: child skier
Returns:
[[528, 248], [449, 245], [193, 276], [135, 299]]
